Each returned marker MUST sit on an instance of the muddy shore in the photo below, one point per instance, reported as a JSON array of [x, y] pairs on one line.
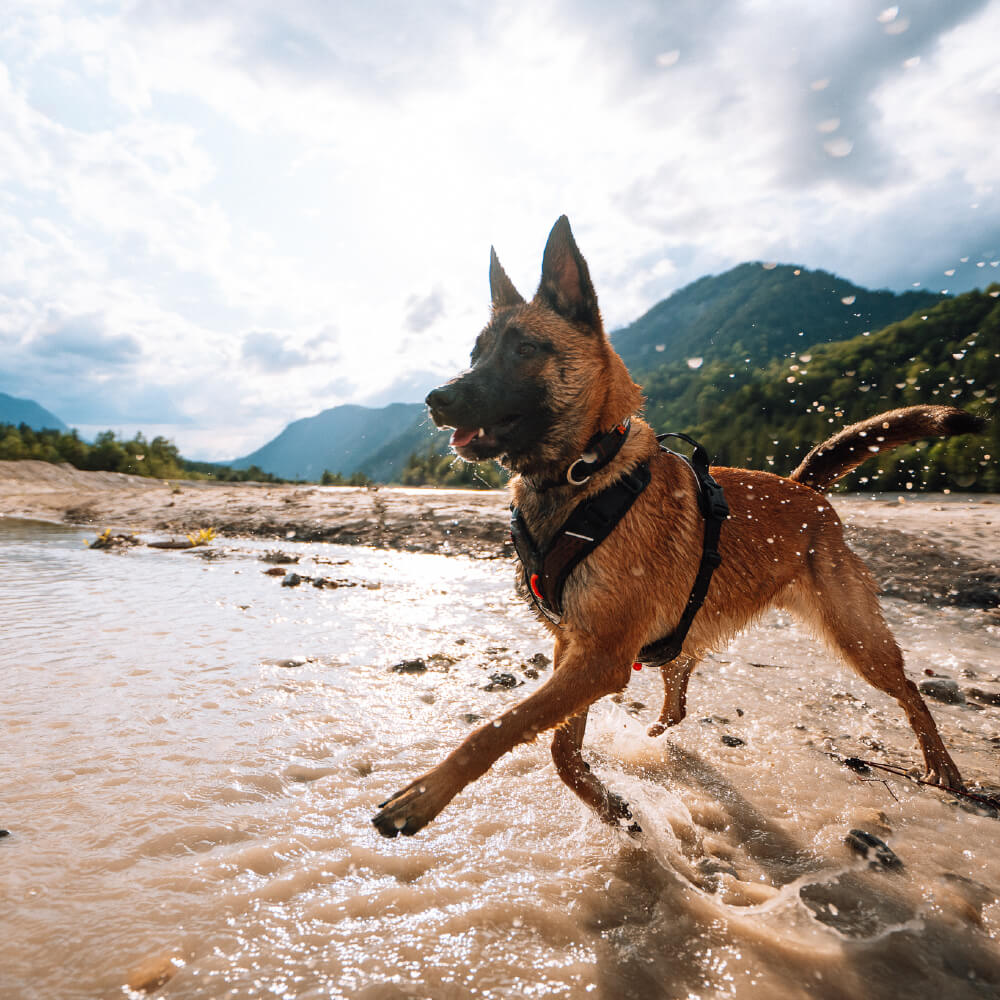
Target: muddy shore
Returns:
[[928, 548]]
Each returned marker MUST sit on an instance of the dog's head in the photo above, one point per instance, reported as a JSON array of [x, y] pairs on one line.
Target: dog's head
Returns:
[[544, 378]]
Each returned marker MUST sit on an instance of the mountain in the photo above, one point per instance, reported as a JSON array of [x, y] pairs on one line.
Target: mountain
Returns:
[[27, 411], [758, 312], [342, 439], [767, 418], [387, 464]]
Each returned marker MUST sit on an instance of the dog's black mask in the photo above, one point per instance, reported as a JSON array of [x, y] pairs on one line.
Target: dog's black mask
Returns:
[[499, 406]]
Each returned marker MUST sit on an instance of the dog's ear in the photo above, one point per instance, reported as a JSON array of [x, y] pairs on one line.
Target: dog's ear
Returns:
[[502, 290], [566, 287]]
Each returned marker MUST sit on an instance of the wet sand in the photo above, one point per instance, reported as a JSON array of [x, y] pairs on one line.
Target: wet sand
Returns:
[[929, 548]]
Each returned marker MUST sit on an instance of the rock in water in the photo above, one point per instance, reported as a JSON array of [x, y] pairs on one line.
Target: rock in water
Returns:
[[942, 689], [152, 973], [862, 842]]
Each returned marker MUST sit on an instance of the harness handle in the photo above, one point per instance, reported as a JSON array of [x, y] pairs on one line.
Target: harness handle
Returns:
[[711, 498]]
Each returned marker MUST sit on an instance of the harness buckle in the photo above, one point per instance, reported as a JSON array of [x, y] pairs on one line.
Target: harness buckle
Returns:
[[632, 483], [713, 499]]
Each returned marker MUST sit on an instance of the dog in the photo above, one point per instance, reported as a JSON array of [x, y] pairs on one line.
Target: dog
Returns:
[[544, 385]]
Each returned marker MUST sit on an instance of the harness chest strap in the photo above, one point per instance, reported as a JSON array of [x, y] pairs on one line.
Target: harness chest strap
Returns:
[[546, 570]]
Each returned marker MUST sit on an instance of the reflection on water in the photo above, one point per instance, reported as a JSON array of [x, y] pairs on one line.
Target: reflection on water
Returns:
[[193, 753]]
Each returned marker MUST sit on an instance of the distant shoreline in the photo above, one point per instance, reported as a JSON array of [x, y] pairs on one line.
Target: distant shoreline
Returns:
[[933, 548]]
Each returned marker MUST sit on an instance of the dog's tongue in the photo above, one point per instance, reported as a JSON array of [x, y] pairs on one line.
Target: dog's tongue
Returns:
[[461, 436]]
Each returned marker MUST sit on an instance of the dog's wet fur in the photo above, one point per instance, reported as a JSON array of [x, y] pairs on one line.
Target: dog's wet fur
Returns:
[[544, 380]]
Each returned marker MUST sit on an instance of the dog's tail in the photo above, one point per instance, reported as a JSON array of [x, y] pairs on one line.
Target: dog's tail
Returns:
[[845, 451]]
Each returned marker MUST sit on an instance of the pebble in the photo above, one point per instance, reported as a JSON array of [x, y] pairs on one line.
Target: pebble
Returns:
[[149, 975], [417, 666], [733, 741], [500, 682], [988, 697], [862, 842], [942, 689]]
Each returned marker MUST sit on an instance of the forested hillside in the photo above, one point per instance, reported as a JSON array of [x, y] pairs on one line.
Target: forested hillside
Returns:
[[768, 419], [757, 312]]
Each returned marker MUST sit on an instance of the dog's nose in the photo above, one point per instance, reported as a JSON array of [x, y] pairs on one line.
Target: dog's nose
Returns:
[[441, 398]]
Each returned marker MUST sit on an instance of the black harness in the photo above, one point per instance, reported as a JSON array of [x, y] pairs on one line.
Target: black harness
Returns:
[[547, 569]]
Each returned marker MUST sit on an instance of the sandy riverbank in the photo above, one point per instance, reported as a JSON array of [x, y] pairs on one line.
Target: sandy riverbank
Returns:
[[937, 548]]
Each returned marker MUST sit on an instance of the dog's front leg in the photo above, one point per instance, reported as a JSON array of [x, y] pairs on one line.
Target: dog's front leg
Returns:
[[583, 676]]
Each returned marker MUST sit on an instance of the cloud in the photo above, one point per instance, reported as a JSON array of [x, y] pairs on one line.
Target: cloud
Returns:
[[83, 339], [268, 352], [422, 311], [177, 174]]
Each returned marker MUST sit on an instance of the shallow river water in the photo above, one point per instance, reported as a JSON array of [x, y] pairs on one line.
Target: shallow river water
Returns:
[[192, 753]]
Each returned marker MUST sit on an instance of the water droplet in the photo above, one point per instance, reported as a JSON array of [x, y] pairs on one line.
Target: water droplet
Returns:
[[848, 300], [839, 147], [694, 362]]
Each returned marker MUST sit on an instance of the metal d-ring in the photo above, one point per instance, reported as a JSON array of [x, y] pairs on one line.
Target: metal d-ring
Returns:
[[587, 458]]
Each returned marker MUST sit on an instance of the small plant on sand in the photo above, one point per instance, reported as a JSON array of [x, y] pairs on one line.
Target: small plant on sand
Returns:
[[202, 537]]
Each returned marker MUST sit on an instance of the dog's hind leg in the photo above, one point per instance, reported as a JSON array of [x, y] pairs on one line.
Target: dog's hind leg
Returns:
[[841, 599], [576, 772], [675, 676]]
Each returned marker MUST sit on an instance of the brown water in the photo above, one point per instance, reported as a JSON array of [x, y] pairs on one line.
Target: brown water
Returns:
[[192, 754]]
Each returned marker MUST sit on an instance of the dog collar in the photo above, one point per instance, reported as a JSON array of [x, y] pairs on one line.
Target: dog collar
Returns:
[[600, 450]]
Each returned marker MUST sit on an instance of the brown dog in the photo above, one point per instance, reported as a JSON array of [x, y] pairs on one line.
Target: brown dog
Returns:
[[544, 385]]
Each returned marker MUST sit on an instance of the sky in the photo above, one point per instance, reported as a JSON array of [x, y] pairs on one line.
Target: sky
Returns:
[[216, 218]]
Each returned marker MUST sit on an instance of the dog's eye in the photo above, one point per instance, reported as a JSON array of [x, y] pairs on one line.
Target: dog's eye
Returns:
[[527, 349]]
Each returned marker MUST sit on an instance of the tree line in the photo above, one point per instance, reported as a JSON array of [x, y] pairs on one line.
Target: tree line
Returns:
[[138, 456]]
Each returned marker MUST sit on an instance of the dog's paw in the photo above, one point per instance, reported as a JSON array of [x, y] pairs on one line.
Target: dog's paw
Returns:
[[656, 729], [943, 772], [407, 811], [619, 813]]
